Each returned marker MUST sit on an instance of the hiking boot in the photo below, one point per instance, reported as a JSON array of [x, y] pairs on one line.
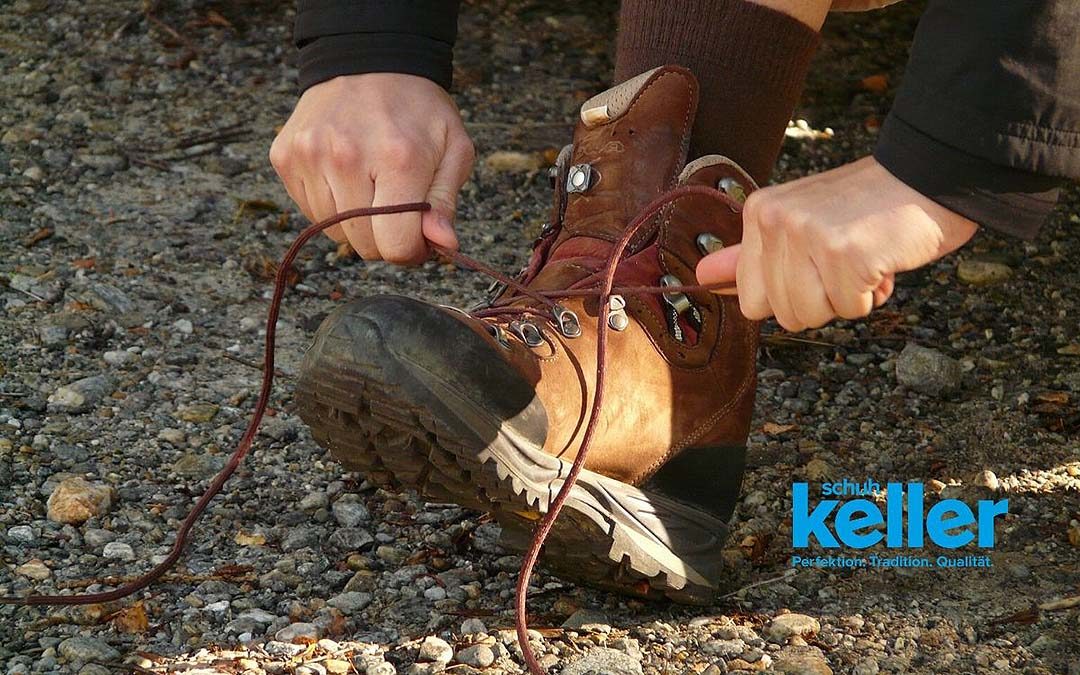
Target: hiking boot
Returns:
[[489, 412]]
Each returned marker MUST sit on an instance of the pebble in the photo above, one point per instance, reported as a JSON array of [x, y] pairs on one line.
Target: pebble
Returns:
[[306, 632], [95, 537], [587, 619], [472, 626], [477, 656], [436, 650], [988, 480], [23, 534], [198, 412], [118, 550], [86, 649], [788, 625], [74, 501], [867, 666], [34, 569], [349, 511], [350, 602], [118, 357], [80, 395], [435, 593], [927, 371], [982, 272], [174, 436], [184, 326], [380, 668], [606, 661], [197, 465]]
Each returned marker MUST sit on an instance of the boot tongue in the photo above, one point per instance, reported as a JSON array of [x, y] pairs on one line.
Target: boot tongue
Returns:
[[629, 147]]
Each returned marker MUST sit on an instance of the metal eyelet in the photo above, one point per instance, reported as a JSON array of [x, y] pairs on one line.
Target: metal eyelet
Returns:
[[567, 321], [677, 301], [617, 318], [732, 188], [499, 334], [579, 178], [553, 175], [527, 332], [708, 242]]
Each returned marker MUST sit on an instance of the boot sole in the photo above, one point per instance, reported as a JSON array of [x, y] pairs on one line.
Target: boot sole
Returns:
[[389, 420]]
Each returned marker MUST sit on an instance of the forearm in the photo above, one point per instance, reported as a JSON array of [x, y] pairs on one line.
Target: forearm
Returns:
[[349, 37], [987, 120]]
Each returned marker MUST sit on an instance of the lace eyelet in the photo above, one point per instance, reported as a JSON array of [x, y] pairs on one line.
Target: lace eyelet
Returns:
[[708, 242], [567, 322]]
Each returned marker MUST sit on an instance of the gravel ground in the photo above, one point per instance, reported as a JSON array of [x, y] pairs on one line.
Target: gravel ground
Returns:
[[139, 219]]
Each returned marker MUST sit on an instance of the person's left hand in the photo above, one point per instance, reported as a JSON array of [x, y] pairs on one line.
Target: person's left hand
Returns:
[[828, 246]]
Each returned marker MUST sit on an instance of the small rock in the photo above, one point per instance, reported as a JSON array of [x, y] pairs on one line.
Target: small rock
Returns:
[[380, 668], [587, 619], [477, 656], [349, 511], [982, 272], [988, 480], [473, 626], [818, 470], [197, 465], [867, 666], [606, 661], [337, 666], [80, 395], [435, 593], [198, 412], [95, 537], [118, 357], [350, 602], [86, 649], [75, 501], [313, 501], [508, 161], [927, 370], [802, 664], [184, 326], [350, 539], [436, 650], [724, 648], [788, 625], [23, 534], [174, 436], [118, 550], [298, 632], [34, 569]]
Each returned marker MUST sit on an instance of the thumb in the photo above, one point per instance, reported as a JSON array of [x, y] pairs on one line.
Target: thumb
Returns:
[[719, 268], [437, 224]]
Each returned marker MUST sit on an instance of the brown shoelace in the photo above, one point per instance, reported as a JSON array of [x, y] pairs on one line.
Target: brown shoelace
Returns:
[[605, 289]]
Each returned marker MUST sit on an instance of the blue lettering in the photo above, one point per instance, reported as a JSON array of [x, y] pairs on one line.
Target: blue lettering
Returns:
[[803, 524], [848, 525], [938, 523]]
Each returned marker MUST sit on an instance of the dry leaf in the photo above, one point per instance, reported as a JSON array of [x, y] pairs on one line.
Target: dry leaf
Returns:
[[84, 263], [131, 619], [1070, 350], [774, 429], [1058, 397], [41, 235]]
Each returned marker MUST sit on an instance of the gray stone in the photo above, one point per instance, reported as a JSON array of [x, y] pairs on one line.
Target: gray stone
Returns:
[[313, 501], [477, 656], [118, 357], [197, 465], [349, 511], [298, 631], [927, 371], [23, 534], [473, 626], [380, 668], [80, 395], [96, 538], [350, 539], [588, 619], [606, 661], [982, 272], [435, 593], [867, 666], [86, 649], [436, 650], [350, 601], [118, 550], [724, 648], [787, 625], [302, 537]]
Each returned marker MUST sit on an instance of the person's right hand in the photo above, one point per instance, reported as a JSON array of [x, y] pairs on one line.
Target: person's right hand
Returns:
[[372, 140]]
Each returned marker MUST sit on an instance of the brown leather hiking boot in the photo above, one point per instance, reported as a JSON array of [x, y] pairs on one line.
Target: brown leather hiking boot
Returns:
[[488, 410]]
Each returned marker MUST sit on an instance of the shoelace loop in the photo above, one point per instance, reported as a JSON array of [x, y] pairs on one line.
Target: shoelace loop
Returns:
[[545, 298]]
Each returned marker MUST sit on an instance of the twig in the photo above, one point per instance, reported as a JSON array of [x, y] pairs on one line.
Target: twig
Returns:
[[786, 575], [251, 364], [12, 394], [135, 159], [32, 295], [1061, 603]]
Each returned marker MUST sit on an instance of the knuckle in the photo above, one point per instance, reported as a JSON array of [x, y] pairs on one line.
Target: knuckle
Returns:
[[398, 153], [344, 154], [306, 144], [279, 157]]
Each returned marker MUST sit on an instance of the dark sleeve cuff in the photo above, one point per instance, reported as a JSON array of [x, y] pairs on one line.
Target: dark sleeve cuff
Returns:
[[352, 54], [1005, 199]]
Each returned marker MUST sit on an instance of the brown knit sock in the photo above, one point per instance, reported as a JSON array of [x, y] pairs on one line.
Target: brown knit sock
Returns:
[[750, 61]]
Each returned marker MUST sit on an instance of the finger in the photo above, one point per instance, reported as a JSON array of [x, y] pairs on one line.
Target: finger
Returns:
[[319, 198], [355, 192], [720, 267], [437, 225], [884, 290], [753, 300], [294, 185], [805, 290], [774, 273], [398, 235], [848, 292]]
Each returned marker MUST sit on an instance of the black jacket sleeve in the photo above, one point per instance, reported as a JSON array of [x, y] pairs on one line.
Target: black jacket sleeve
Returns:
[[347, 37], [987, 119]]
